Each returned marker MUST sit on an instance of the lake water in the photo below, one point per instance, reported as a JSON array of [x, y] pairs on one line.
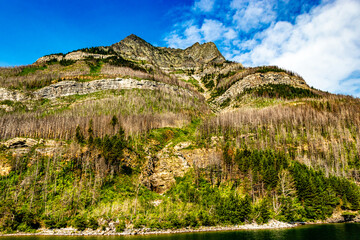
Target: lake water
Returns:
[[350, 231]]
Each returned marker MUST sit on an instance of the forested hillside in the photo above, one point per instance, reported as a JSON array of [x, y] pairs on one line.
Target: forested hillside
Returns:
[[134, 136]]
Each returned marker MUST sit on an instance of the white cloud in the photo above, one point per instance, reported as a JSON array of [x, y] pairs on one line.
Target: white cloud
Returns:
[[214, 30], [204, 5], [252, 14], [211, 30], [322, 46], [190, 36]]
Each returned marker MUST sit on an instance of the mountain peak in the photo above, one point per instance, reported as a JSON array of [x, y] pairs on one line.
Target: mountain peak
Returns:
[[206, 52], [132, 40], [133, 37]]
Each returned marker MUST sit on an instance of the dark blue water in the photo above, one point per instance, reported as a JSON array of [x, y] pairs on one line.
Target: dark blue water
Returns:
[[314, 232]]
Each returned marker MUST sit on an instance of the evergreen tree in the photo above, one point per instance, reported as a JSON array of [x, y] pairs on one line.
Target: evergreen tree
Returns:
[[79, 137]]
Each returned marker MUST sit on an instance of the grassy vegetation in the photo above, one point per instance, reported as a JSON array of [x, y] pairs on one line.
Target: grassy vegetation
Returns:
[[195, 83], [179, 71], [138, 110], [31, 69], [219, 83], [40, 76], [121, 62], [283, 91], [94, 65], [258, 102]]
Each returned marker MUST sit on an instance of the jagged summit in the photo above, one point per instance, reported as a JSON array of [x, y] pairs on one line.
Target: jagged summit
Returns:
[[135, 48], [207, 52], [134, 38]]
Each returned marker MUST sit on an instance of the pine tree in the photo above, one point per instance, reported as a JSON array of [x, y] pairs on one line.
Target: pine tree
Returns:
[[79, 137]]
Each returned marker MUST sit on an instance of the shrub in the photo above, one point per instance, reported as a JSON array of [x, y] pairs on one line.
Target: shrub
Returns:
[[50, 223], [120, 227], [233, 209], [174, 221], [61, 223], [65, 62], [205, 219], [225, 103], [23, 227], [93, 224], [264, 212], [155, 224], [140, 223], [190, 220], [80, 223]]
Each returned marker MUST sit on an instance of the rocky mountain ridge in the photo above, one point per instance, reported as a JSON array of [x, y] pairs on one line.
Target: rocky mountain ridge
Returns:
[[199, 68], [135, 48]]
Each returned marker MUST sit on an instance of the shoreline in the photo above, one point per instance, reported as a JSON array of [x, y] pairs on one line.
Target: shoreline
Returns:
[[271, 225]]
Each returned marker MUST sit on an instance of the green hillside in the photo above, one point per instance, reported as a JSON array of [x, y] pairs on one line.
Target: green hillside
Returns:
[[134, 136]]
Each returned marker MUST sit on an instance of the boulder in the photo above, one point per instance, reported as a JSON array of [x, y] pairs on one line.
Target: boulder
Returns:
[[21, 143]]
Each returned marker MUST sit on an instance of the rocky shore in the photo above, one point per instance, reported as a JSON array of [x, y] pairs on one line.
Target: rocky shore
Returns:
[[110, 231], [273, 224]]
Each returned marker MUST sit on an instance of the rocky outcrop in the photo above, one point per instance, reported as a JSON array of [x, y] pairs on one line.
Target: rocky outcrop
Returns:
[[74, 56], [258, 79], [6, 108], [67, 88], [133, 47], [202, 157], [137, 49], [175, 162], [204, 53], [21, 143], [12, 95], [5, 168], [166, 166]]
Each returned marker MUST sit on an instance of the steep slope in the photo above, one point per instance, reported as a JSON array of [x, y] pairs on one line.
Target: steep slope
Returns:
[[134, 136]]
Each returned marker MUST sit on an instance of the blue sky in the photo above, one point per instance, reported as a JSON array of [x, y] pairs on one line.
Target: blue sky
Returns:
[[317, 39]]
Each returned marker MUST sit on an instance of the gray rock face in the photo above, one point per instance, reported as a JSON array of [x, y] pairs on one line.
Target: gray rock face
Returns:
[[75, 56], [258, 79], [170, 163], [67, 88], [137, 49], [133, 47], [11, 95], [21, 143]]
